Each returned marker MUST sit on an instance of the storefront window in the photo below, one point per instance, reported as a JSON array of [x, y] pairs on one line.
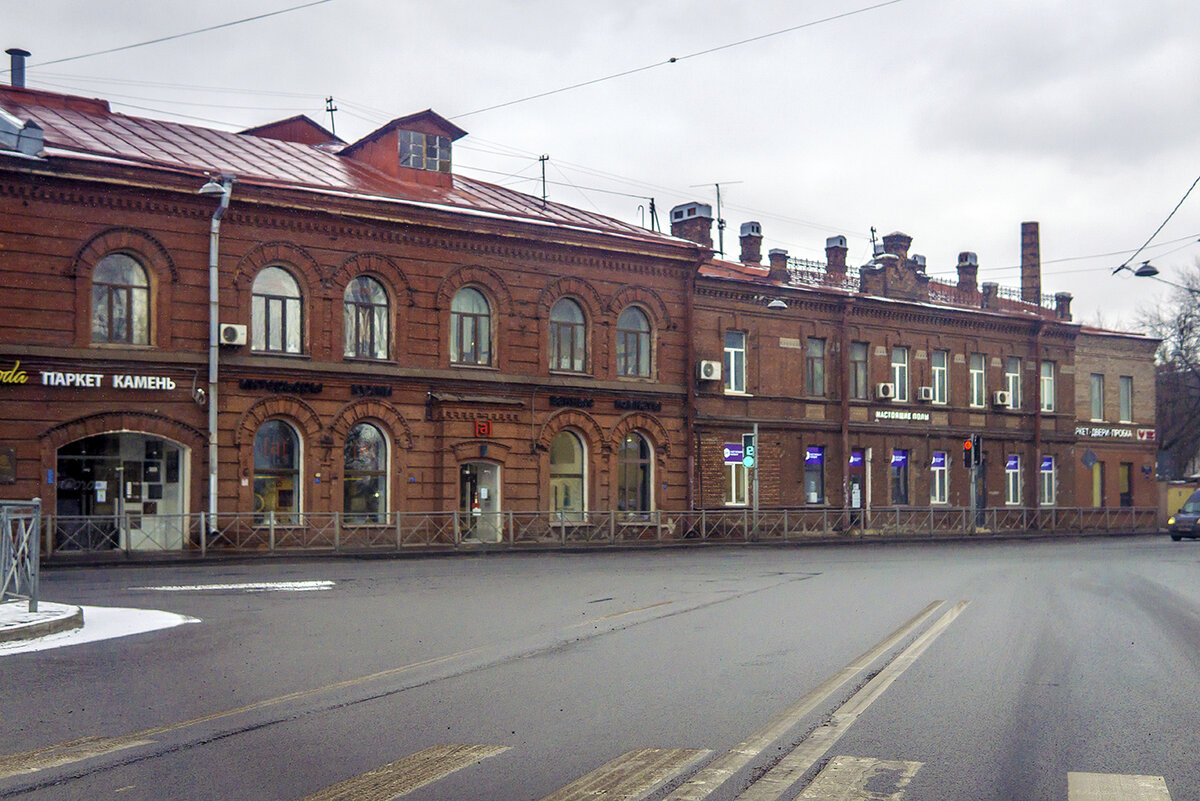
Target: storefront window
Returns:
[[939, 489], [1046, 481], [899, 471], [1012, 480], [814, 474], [364, 480], [566, 477], [634, 475], [276, 473]]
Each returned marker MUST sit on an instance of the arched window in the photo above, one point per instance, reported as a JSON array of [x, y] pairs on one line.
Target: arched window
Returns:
[[470, 328], [635, 475], [364, 479], [277, 472], [567, 477], [568, 337], [120, 301], [275, 312], [366, 317], [633, 343]]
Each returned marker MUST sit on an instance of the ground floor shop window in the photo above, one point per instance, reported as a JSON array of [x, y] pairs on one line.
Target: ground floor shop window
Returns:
[[1046, 481], [1012, 480], [364, 479], [567, 477], [899, 470], [276, 473], [479, 502], [739, 482], [1125, 483], [1098, 484], [939, 489], [635, 485], [814, 474]]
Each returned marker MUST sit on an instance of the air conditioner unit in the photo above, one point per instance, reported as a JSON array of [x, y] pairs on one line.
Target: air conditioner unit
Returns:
[[924, 393], [709, 371], [1001, 398], [885, 391], [231, 334]]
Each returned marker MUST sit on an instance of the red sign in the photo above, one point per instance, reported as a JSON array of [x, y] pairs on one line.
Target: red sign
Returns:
[[1147, 434], [483, 428]]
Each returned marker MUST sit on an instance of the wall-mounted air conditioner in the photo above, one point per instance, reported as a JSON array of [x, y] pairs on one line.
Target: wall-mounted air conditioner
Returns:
[[925, 393], [885, 391], [709, 370], [1001, 398], [232, 334]]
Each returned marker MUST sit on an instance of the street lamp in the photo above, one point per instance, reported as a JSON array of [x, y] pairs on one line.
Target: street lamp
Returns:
[[1146, 270], [222, 190]]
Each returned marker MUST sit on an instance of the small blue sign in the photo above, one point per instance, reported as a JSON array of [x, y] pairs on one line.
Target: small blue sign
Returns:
[[939, 459], [1013, 463], [899, 458], [814, 455], [50, 476], [1047, 464], [734, 453], [856, 458]]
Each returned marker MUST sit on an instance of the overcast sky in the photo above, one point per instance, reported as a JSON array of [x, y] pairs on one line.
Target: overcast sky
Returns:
[[950, 120]]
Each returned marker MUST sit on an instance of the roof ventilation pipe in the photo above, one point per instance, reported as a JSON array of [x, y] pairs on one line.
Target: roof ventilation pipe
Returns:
[[18, 57]]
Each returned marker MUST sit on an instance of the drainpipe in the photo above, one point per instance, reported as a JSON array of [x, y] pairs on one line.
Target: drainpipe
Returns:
[[223, 189]]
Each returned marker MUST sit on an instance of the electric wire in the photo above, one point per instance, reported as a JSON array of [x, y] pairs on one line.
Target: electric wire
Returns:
[[1159, 228]]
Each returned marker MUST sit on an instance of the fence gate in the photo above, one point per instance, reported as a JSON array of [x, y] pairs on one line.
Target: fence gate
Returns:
[[20, 522]]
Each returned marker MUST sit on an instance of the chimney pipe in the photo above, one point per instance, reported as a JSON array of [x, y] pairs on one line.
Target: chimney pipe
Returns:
[[1031, 264], [18, 57], [751, 239], [693, 222], [835, 255], [968, 271], [778, 259]]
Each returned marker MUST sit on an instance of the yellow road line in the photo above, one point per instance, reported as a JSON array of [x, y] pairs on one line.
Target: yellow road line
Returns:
[[619, 614], [405, 775], [848, 778], [776, 782], [631, 776], [1115, 787], [714, 775]]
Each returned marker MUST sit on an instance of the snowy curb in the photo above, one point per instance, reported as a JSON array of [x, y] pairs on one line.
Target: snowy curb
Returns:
[[17, 623]]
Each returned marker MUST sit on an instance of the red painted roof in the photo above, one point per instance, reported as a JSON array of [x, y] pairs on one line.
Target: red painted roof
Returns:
[[86, 127]]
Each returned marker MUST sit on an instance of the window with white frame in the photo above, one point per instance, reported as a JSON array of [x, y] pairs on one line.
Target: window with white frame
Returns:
[[858, 370], [735, 361], [1012, 480], [275, 312], [1046, 481], [120, 301], [899, 476], [1126, 398], [939, 478], [1097, 389], [814, 367], [365, 305], [1047, 386], [900, 372], [739, 485], [470, 328], [941, 376], [1012, 381], [978, 380]]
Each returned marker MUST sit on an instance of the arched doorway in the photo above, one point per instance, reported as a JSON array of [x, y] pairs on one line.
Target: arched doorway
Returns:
[[124, 490]]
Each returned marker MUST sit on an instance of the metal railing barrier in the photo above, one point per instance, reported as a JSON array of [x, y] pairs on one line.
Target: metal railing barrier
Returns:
[[20, 554]]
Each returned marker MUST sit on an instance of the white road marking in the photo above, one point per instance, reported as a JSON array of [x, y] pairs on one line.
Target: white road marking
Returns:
[[1115, 787], [101, 623], [250, 586], [848, 778]]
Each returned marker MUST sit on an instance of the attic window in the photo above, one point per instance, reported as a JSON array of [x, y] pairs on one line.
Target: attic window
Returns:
[[424, 151]]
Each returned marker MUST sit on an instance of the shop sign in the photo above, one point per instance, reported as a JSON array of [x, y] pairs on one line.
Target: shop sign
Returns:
[[13, 375], [1147, 435], [371, 390], [53, 378], [939, 459], [1047, 464], [734, 452], [814, 455], [483, 428], [904, 415], [856, 458], [288, 387], [1105, 432], [1013, 463], [637, 405], [562, 401], [899, 458]]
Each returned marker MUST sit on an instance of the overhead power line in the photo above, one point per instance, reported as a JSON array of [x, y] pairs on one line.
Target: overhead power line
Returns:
[[1159, 228]]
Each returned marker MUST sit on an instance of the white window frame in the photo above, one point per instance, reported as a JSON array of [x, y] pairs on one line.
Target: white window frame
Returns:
[[1012, 381], [735, 363], [1047, 483], [978, 373], [1096, 395], [739, 485], [1012, 481], [1047, 386], [1126, 410], [939, 480], [940, 376], [900, 372]]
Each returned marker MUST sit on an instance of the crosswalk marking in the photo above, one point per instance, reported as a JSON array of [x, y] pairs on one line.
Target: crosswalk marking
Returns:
[[1115, 787], [848, 778], [631, 776], [779, 779], [405, 775], [704, 783]]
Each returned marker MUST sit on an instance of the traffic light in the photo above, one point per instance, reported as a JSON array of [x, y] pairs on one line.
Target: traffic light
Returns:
[[973, 451]]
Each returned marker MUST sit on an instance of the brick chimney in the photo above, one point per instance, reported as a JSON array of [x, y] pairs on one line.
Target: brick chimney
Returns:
[[968, 271], [835, 256], [991, 296], [779, 269], [1062, 306], [897, 244], [751, 240], [1031, 263], [693, 222]]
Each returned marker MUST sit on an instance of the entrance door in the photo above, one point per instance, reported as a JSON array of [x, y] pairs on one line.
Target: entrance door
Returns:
[[857, 474], [479, 502]]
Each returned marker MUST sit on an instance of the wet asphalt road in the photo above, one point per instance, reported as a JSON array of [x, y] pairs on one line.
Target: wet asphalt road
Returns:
[[1077, 656]]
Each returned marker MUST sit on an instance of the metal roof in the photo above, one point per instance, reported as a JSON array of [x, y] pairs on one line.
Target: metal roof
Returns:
[[84, 127]]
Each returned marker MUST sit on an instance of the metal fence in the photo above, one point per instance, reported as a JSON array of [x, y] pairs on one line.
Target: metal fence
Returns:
[[336, 532], [20, 522]]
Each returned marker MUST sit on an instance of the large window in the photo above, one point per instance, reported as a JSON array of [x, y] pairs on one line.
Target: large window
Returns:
[[900, 373], [120, 301], [366, 315], [814, 474], [899, 476], [814, 367], [635, 475], [1012, 381], [1126, 398], [275, 312], [1097, 396], [1046, 481], [1125, 483], [941, 371], [978, 368], [470, 328], [276, 473], [1047, 386], [568, 337], [739, 485], [859, 376], [939, 481], [364, 479], [633, 343], [567, 477], [424, 151], [1012, 480], [735, 361]]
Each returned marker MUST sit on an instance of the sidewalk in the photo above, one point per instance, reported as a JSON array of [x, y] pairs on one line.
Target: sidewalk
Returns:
[[18, 623]]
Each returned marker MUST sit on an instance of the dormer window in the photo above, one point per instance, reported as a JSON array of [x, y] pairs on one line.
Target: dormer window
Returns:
[[424, 151]]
